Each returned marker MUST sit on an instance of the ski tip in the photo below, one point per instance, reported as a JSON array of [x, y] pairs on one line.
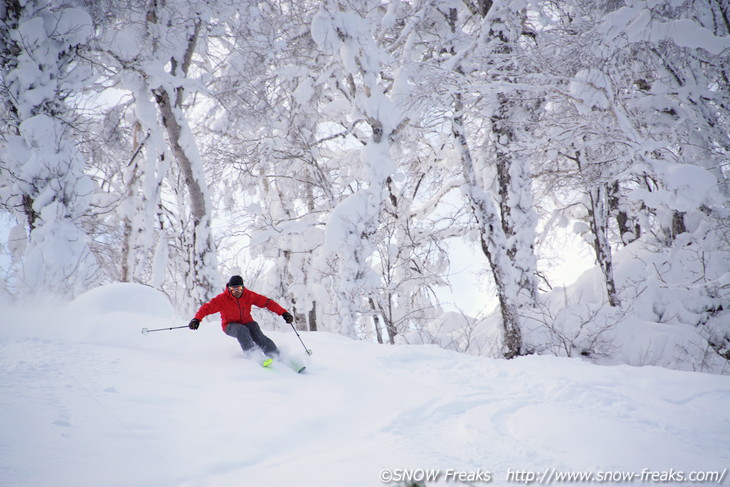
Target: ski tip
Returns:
[[267, 362], [301, 369]]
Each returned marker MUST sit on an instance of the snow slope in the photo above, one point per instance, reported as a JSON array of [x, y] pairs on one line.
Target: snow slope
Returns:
[[87, 400]]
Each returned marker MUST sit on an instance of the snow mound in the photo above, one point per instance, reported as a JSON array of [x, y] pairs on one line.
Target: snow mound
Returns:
[[123, 297], [115, 314]]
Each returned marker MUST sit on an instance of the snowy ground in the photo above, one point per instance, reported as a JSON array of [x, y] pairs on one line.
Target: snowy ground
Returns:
[[87, 400]]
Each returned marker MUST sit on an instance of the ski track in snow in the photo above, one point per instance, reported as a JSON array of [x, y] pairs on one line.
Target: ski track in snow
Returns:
[[102, 405]]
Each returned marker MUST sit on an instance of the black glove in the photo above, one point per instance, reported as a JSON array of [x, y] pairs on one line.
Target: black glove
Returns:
[[194, 324], [287, 317]]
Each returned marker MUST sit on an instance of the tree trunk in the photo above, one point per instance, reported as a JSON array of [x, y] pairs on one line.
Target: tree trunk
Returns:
[[514, 203], [376, 321], [202, 253], [201, 246], [493, 242], [627, 228], [313, 317], [503, 218], [598, 215]]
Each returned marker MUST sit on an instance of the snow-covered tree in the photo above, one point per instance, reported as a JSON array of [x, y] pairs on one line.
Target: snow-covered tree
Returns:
[[148, 50], [636, 106], [478, 74], [43, 182], [351, 35], [263, 148]]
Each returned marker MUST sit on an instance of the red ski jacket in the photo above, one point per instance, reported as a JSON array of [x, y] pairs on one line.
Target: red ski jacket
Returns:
[[234, 310]]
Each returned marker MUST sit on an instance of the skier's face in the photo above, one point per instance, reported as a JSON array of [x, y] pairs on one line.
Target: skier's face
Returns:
[[237, 291]]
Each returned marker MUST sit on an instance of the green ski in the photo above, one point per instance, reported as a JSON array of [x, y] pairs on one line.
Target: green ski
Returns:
[[269, 362]]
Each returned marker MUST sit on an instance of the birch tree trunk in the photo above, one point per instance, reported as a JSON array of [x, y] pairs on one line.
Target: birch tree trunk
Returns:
[[505, 219], [201, 262], [599, 217], [201, 248], [493, 241]]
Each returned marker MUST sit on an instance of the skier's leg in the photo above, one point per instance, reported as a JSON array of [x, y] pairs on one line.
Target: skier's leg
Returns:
[[242, 334], [265, 343]]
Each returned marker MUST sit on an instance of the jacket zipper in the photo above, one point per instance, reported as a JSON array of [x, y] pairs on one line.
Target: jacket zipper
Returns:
[[240, 311]]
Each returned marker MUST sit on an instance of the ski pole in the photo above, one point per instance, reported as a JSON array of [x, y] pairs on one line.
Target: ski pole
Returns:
[[309, 352], [145, 330]]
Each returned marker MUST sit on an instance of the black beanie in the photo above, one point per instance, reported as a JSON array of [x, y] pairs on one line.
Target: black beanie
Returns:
[[235, 281]]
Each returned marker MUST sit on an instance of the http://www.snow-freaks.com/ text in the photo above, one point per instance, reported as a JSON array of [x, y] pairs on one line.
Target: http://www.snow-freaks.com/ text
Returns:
[[551, 476]]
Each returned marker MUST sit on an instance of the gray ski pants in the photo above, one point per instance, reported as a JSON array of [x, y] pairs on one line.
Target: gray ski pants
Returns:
[[250, 335]]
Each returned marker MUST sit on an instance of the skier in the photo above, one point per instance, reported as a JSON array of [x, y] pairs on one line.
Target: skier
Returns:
[[234, 305]]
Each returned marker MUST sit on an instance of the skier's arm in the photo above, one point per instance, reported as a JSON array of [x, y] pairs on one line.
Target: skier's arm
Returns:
[[212, 306], [273, 306], [263, 302]]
